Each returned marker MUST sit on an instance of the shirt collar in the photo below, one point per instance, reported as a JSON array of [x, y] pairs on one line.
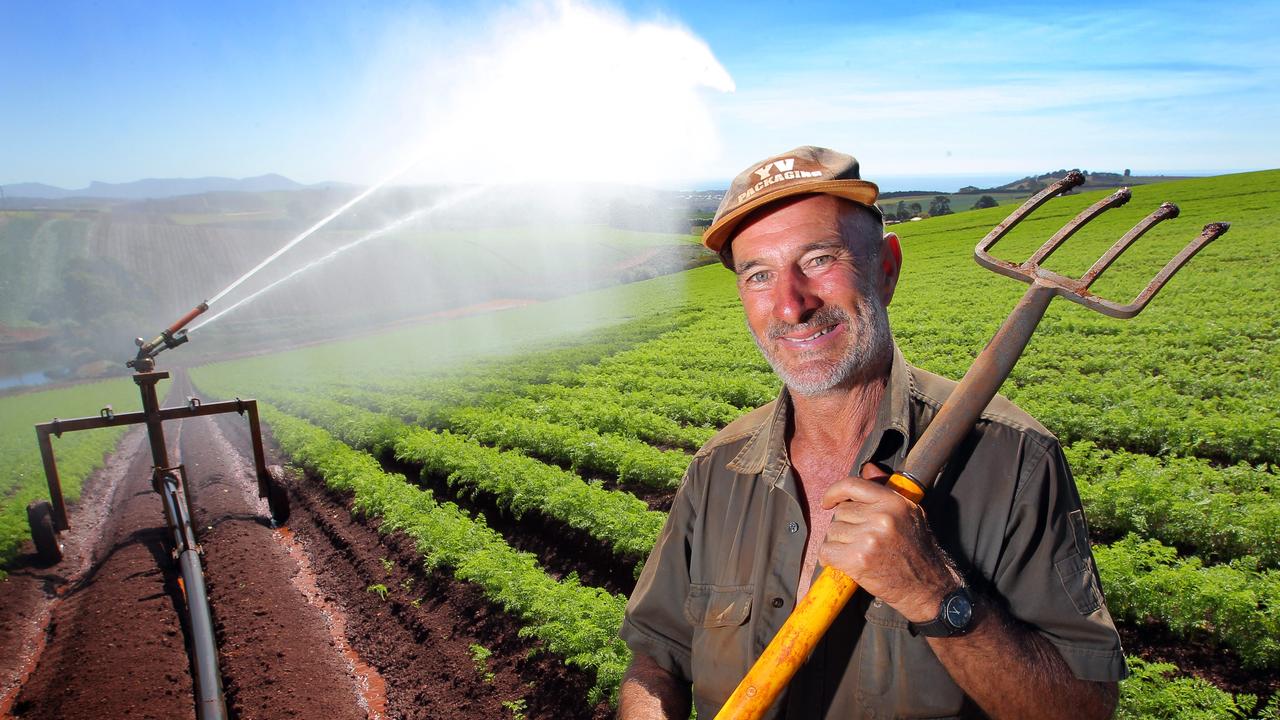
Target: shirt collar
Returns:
[[765, 452]]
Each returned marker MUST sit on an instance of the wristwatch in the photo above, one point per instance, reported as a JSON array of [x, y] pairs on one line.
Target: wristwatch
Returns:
[[955, 617]]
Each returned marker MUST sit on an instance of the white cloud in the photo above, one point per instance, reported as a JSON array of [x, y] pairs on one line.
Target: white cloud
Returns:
[[558, 91], [971, 93]]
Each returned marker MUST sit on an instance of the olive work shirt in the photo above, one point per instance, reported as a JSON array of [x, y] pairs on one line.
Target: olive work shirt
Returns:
[[723, 575]]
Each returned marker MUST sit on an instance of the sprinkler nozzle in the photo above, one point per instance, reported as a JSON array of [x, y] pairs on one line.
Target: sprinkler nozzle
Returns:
[[170, 337]]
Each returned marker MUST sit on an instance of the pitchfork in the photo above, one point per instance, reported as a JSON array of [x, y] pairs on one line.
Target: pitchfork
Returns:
[[831, 591]]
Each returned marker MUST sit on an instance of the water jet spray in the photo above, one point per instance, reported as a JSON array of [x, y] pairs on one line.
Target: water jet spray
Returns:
[[442, 204], [316, 227]]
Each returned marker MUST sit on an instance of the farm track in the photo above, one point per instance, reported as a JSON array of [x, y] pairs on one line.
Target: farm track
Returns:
[[115, 644]]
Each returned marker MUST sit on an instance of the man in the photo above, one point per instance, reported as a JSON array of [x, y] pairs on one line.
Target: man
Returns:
[[982, 600]]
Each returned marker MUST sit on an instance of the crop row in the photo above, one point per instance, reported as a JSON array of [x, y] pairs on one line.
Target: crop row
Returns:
[[574, 621], [596, 411], [584, 451], [1216, 513], [1156, 690], [739, 391], [1235, 604], [517, 483], [522, 484], [626, 458], [695, 410], [579, 623]]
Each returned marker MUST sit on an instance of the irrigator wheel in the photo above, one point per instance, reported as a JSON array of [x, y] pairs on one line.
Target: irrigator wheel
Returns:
[[40, 518], [277, 496]]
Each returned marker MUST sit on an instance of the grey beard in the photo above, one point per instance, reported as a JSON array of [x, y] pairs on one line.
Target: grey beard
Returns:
[[870, 352]]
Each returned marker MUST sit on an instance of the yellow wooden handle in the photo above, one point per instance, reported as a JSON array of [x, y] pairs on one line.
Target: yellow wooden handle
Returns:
[[800, 633]]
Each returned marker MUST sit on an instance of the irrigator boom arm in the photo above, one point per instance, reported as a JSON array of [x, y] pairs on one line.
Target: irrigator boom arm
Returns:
[[171, 336]]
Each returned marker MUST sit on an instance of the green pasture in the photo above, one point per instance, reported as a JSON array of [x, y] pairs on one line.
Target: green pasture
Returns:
[[78, 454]]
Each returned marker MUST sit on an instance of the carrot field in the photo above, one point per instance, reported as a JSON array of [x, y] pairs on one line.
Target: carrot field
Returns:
[[1170, 421], [574, 419]]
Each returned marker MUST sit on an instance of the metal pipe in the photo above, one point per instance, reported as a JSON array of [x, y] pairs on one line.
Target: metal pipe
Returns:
[[204, 649], [259, 456], [60, 520], [151, 413], [192, 315]]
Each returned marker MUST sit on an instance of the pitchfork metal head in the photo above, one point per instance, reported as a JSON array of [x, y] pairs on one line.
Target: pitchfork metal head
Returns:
[[1077, 289]]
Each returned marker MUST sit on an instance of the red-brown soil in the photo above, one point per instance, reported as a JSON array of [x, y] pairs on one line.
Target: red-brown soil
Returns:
[[303, 624], [115, 641]]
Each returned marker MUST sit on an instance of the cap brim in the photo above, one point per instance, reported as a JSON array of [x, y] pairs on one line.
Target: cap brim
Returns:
[[862, 192]]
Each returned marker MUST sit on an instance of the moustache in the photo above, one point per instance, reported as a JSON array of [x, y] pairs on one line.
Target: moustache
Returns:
[[822, 317]]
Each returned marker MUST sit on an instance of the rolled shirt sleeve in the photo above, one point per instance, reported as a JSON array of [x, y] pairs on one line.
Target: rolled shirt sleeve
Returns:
[[1047, 573], [655, 622]]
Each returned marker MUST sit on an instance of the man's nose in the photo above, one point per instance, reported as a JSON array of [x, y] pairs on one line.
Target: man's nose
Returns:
[[794, 297]]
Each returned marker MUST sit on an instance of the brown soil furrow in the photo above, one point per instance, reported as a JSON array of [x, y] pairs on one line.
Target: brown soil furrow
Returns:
[[1153, 642], [32, 590], [560, 549], [277, 657], [116, 646], [419, 628]]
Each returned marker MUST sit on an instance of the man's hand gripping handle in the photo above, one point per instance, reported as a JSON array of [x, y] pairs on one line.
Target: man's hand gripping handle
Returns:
[[800, 633]]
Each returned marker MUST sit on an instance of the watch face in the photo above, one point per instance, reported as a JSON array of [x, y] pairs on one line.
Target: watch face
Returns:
[[958, 611]]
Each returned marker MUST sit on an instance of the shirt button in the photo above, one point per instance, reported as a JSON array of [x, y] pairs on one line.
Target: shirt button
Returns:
[[776, 602], [793, 527], [878, 602]]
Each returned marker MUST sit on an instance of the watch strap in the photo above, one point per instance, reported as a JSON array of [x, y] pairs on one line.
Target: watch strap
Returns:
[[940, 625]]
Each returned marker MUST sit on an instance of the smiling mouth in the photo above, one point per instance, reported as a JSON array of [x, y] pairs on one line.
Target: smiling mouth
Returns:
[[816, 335]]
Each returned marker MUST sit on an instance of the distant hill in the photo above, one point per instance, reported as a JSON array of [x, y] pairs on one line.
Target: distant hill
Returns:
[[152, 188], [1094, 181], [904, 205]]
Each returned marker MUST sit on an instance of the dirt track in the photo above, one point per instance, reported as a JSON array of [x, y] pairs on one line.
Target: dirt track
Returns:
[[302, 625]]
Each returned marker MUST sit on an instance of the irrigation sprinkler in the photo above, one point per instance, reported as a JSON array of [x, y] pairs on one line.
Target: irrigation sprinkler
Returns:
[[48, 519], [831, 591]]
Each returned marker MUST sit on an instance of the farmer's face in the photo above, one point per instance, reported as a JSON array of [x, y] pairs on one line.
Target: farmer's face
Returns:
[[814, 296]]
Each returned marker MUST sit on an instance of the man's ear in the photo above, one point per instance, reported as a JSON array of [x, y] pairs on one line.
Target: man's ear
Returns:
[[890, 266]]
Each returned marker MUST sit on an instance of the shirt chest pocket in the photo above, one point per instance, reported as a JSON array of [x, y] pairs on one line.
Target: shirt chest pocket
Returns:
[[715, 606], [721, 648]]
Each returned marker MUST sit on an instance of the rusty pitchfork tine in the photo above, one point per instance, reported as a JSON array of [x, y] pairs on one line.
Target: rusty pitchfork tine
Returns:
[[1115, 199], [1211, 232], [1166, 211], [831, 591]]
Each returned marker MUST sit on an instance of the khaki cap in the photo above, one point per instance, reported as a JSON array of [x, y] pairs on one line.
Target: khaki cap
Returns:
[[807, 169]]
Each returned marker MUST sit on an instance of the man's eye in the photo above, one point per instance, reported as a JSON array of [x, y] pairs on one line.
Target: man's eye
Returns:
[[822, 260], [758, 277]]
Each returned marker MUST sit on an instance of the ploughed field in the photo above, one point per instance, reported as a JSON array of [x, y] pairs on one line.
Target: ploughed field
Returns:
[[516, 468]]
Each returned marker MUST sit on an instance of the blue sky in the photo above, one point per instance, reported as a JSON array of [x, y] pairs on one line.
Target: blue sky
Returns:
[[120, 91]]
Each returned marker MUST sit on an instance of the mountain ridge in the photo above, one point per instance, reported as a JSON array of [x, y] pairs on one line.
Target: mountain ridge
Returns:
[[155, 188]]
